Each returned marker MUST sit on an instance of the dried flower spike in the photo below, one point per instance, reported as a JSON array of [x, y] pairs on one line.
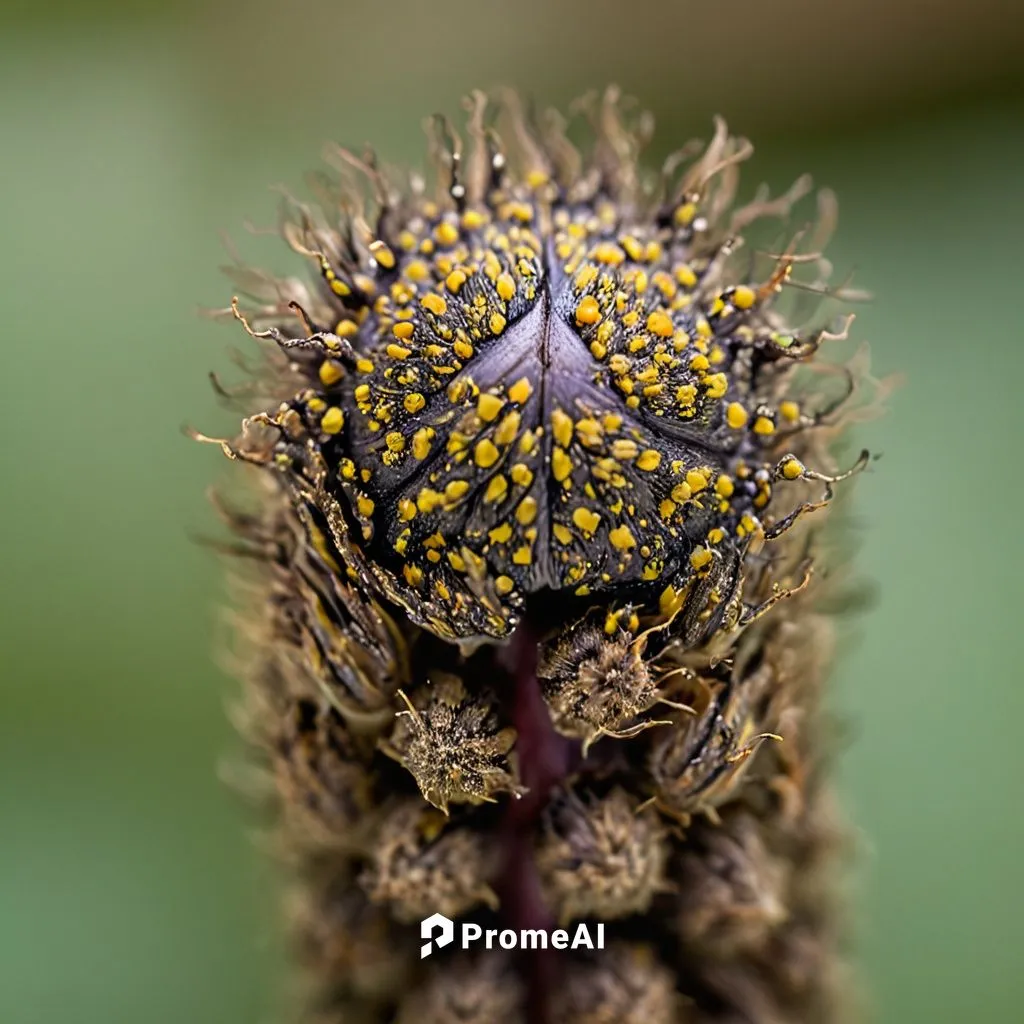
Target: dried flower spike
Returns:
[[539, 461]]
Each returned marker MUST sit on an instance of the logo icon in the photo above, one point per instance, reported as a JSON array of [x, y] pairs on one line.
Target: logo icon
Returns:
[[430, 925]]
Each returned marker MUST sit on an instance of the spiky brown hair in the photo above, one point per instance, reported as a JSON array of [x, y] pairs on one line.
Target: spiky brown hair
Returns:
[[535, 635]]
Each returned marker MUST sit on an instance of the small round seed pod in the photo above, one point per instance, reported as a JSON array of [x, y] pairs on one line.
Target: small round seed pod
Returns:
[[483, 990], [599, 857], [422, 864], [732, 890], [453, 744], [320, 768], [594, 685], [624, 984]]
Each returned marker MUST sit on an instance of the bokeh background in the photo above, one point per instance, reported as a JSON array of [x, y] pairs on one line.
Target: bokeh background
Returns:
[[132, 134]]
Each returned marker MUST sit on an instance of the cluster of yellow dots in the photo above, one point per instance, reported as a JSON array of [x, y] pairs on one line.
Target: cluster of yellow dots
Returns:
[[486, 472]]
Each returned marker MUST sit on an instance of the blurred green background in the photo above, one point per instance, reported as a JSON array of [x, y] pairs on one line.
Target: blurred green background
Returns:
[[130, 136]]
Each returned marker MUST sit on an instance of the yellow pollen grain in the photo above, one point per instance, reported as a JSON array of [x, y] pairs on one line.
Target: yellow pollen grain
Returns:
[[427, 500], [497, 323], [488, 406], [696, 481], [792, 468], [446, 233], [561, 464], [434, 303], [413, 574], [421, 442], [365, 506], [527, 511], [561, 427], [413, 402], [610, 253], [724, 487], [649, 460], [622, 538], [717, 384], [398, 351], [506, 286], [790, 411], [666, 508], [508, 428], [700, 557], [586, 520], [520, 391], [522, 556], [454, 281], [496, 489], [588, 311], [562, 533], [333, 420], [736, 415], [403, 330], [521, 474], [455, 489], [624, 448], [330, 372], [763, 426], [485, 454], [744, 297], [406, 510], [504, 585], [500, 534], [659, 323], [395, 441]]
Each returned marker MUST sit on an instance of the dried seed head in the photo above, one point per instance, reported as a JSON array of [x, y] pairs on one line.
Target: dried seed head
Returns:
[[594, 685], [600, 857], [325, 786], [624, 984], [732, 891], [422, 864], [453, 744], [484, 990], [547, 377]]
